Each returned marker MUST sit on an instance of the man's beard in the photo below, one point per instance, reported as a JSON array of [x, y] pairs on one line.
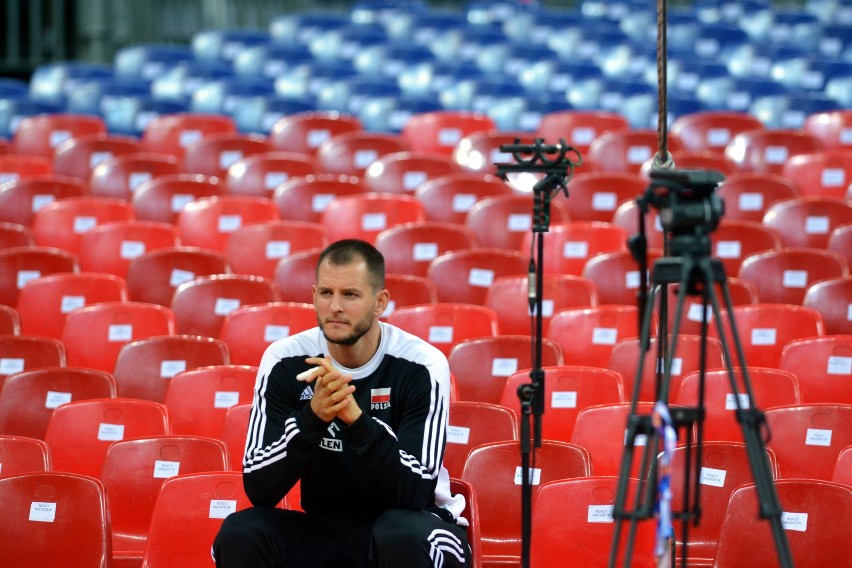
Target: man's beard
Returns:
[[360, 329]]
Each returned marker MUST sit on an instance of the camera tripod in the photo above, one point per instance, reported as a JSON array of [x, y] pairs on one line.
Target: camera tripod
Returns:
[[696, 273]]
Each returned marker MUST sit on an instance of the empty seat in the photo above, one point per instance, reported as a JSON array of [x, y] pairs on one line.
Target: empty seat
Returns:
[[465, 276], [404, 172], [589, 334], [783, 276], [408, 290], [735, 240], [20, 199], [840, 241], [409, 248], [154, 276], [832, 299], [78, 156], [831, 127], [259, 174], [61, 224], [28, 398], [594, 196], [249, 330], [807, 221], [579, 128], [305, 132], [20, 265], [481, 151], [568, 246], [214, 154], [295, 274], [173, 133], [41, 134], [351, 153], [207, 222], [256, 249], [748, 195], [471, 513], [364, 216], [742, 293], [234, 434], [626, 216], [21, 454], [444, 325], [843, 471], [305, 198], [449, 198], [616, 276], [822, 367], [10, 321], [111, 248], [602, 430], [503, 221], [19, 353], [711, 130], [162, 198], [626, 150], [119, 176], [827, 173], [766, 151], [473, 424], [441, 131], [14, 167]]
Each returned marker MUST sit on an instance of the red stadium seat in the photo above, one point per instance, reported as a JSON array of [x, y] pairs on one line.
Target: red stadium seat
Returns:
[[112, 247], [305, 132], [807, 221], [831, 127], [14, 167], [154, 276], [19, 353], [465, 276], [20, 454], [821, 365], [480, 151], [579, 128], [626, 150], [61, 224], [162, 198], [351, 153], [174, 133], [843, 469], [503, 221], [473, 424], [705, 160], [259, 174], [616, 276], [602, 430], [588, 335], [10, 321], [594, 196], [409, 248], [118, 177], [296, 274], [733, 241], [445, 325], [21, 199], [208, 222], [471, 513], [766, 151], [404, 172], [40, 135], [256, 249], [305, 198], [832, 299], [249, 330], [569, 246], [827, 173], [408, 290], [234, 433], [78, 156], [441, 131], [743, 293], [783, 276], [627, 217], [840, 241], [449, 198], [365, 216], [214, 154], [747, 196], [712, 130], [20, 265]]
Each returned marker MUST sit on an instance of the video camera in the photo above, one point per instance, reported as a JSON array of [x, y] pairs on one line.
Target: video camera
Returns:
[[686, 200]]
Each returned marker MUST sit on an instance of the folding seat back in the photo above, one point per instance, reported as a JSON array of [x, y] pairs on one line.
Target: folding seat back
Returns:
[[444, 325], [296, 274], [409, 248], [815, 518], [596, 195], [616, 276], [449, 198], [481, 366], [256, 249], [503, 221], [626, 216], [408, 290], [201, 305], [162, 197], [743, 292], [119, 177], [579, 128], [351, 153], [508, 296], [440, 131], [22, 264], [404, 172], [626, 150], [80, 433], [173, 133], [471, 513], [61, 224], [19, 353], [826, 173], [133, 473], [588, 335], [93, 335], [40, 135], [807, 221], [305, 198], [828, 298], [305, 132], [54, 519], [249, 330], [21, 454], [766, 151], [843, 468], [602, 430], [748, 195], [822, 367], [704, 160], [234, 433], [712, 130], [260, 174], [154, 276], [567, 390], [78, 156], [584, 531], [783, 276], [840, 241], [568, 246], [10, 321], [733, 241], [831, 127], [187, 516], [465, 276], [112, 247], [145, 367], [473, 424], [365, 216], [14, 167], [198, 399], [494, 471], [481, 151], [28, 398], [214, 154], [14, 235], [208, 222], [20, 199]]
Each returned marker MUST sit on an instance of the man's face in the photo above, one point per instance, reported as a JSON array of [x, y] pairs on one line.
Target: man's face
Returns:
[[345, 303]]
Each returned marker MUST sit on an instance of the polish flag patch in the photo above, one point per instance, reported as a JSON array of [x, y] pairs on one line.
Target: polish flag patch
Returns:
[[378, 396]]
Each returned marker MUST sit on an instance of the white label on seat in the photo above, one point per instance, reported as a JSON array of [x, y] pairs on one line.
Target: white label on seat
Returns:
[[221, 508], [131, 249], [534, 475], [441, 334], [110, 432], [563, 399], [849, 312], [84, 223], [519, 223], [575, 249], [179, 276], [693, 313], [277, 249], [39, 201], [480, 277], [504, 366], [818, 437], [817, 225], [227, 158], [631, 279], [846, 135], [600, 514], [458, 435], [135, 179], [225, 306], [462, 202], [229, 223], [120, 332], [731, 400], [374, 221], [677, 366], [424, 252], [143, 119], [57, 137], [9, 176], [225, 399], [712, 477], [795, 279], [833, 177], [838, 365], [775, 154], [498, 157], [165, 469], [546, 308], [792, 119], [604, 201], [275, 332], [55, 398], [273, 179], [179, 200], [718, 137], [638, 154], [320, 201], [170, 368], [412, 180], [794, 521], [363, 158], [317, 136], [390, 309], [729, 249], [449, 136], [42, 512], [751, 201], [583, 136], [9, 365], [604, 336], [763, 336], [70, 303], [96, 158], [187, 137]]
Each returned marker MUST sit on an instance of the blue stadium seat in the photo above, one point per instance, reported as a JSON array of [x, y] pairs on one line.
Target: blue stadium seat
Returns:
[[149, 60], [223, 45], [269, 60], [52, 82]]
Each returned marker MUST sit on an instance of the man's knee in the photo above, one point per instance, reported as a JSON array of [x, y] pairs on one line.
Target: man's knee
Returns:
[[417, 538]]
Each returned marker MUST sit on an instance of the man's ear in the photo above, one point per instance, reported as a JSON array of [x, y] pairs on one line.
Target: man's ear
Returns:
[[382, 301]]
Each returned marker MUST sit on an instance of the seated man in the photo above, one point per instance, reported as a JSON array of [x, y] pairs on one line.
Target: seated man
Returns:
[[357, 411]]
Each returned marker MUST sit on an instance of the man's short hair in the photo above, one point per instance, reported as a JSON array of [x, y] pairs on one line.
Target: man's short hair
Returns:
[[348, 251]]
